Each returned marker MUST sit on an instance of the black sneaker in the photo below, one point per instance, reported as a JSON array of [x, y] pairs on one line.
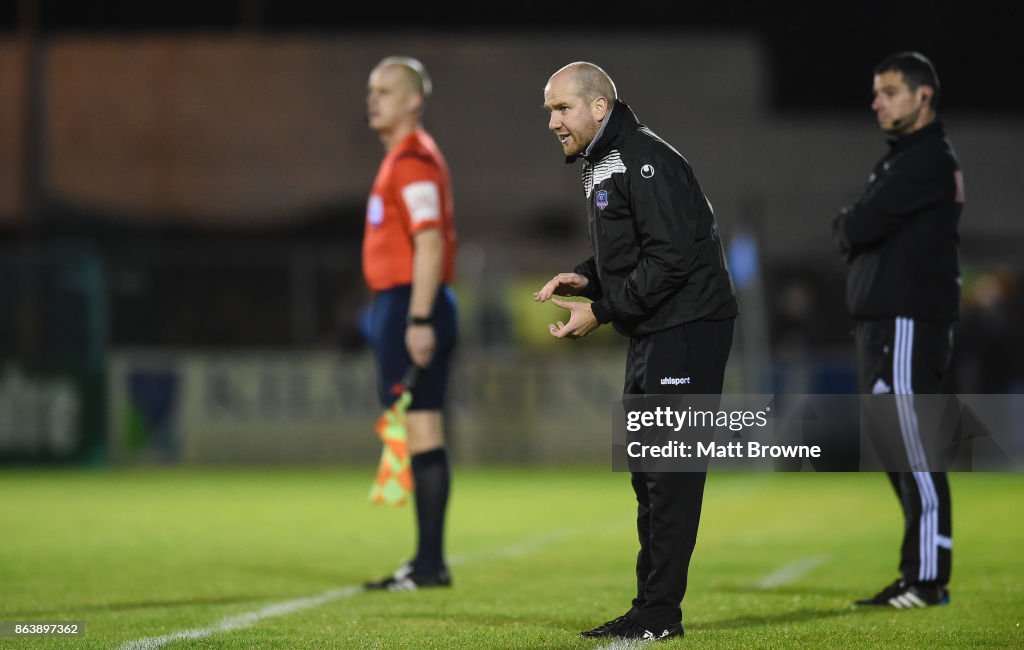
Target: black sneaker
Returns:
[[406, 580], [626, 628], [908, 595], [602, 630]]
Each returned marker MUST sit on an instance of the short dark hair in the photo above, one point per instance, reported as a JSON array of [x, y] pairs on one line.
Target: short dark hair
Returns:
[[916, 69]]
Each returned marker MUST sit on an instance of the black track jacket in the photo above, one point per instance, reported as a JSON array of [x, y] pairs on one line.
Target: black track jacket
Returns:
[[900, 237], [658, 258]]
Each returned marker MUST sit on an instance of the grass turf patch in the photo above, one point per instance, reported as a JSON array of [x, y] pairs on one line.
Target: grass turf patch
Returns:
[[537, 554]]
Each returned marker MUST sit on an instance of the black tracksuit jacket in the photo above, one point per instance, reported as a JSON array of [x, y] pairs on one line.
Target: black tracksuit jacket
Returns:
[[900, 237], [658, 258]]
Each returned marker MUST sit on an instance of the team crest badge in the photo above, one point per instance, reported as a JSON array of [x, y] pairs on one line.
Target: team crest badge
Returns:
[[375, 210], [602, 199]]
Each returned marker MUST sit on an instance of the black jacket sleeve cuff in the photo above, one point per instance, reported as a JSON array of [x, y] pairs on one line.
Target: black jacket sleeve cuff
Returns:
[[602, 311], [593, 290]]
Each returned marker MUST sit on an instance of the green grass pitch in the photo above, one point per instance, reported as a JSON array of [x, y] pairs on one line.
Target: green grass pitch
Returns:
[[264, 558]]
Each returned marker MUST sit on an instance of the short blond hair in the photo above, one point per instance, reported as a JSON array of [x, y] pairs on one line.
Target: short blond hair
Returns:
[[414, 71]]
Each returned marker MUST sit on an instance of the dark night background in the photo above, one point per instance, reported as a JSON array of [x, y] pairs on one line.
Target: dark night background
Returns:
[[815, 48], [192, 176]]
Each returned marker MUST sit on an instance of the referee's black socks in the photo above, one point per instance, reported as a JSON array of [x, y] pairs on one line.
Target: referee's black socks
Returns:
[[431, 477]]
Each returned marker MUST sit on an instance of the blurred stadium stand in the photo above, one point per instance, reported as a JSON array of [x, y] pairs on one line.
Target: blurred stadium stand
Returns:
[[181, 215]]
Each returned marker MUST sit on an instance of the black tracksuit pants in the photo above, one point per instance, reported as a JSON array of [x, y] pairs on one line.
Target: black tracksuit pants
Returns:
[[904, 356], [668, 503]]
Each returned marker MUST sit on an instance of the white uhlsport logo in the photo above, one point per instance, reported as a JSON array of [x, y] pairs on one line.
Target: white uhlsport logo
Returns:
[[674, 381], [647, 171]]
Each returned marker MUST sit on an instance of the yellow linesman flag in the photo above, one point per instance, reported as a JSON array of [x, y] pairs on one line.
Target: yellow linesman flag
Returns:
[[393, 484]]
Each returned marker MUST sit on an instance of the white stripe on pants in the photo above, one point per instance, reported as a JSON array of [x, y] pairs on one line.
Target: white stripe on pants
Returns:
[[902, 374]]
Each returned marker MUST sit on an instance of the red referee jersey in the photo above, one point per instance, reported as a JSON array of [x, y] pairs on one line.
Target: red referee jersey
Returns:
[[412, 192]]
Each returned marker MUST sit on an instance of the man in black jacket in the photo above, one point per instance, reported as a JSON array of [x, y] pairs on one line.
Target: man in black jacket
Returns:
[[658, 275], [903, 289]]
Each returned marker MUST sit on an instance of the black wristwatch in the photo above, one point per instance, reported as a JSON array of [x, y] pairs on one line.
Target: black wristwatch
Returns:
[[419, 320]]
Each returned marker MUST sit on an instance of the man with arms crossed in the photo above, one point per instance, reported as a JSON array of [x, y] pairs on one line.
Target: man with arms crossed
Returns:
[[903, 289]]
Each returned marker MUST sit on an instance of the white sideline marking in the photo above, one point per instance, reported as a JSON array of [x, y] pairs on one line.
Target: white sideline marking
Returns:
[[624, 644], [525, 547], [242, 621], [791, 572]]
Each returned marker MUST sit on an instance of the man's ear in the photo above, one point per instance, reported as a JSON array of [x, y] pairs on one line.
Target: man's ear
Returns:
[[416, 102], [599, 108]]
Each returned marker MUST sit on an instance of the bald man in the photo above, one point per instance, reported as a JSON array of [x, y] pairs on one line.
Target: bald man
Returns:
[[408, 263], [658, 275]]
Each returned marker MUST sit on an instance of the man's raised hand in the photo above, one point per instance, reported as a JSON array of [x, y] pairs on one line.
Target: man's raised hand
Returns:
[[563, 284]]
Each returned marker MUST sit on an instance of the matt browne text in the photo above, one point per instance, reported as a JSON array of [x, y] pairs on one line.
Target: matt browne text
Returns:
[[715, 450]]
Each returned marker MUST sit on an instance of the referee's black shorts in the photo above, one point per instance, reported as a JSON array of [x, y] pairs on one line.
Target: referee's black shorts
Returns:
[[387, 323]]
